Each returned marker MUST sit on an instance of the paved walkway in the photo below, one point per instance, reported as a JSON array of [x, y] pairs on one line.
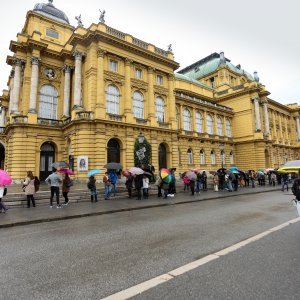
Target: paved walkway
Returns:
[[39, 214]]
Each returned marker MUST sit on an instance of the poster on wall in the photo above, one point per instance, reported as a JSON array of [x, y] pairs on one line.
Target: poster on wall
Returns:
[[82, 163]]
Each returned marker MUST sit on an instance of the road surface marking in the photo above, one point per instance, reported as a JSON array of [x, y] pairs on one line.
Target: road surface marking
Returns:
[[146, 285]]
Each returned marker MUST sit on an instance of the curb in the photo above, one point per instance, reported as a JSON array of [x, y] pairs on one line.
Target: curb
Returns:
[[77, 216]]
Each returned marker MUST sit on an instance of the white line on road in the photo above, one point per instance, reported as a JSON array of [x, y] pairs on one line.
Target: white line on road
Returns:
[[146, 285]]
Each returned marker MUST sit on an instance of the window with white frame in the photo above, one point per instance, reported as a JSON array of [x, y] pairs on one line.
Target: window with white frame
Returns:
[[231, 158], [113, 65], [228, 128], [202, 157], [187, 120], [177, 117], [138, 73], [160, 109], [138, 105], [199, 122], [48, 102], [219, 126], [113, 100], [190, 156], [223, 157], [212, 157], [209, 124], [159, 80]]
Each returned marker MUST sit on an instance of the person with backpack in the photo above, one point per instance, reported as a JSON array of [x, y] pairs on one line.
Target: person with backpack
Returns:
[[29, 188], [92, 187], [66, 184]]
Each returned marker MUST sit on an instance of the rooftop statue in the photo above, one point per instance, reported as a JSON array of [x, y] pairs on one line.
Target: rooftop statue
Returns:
[[170, 48], [79, 22], [102, 14]]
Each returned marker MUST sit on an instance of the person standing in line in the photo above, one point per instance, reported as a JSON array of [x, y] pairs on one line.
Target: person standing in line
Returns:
[[273, 179], [145, 187], [54, 181], [92, 187], [112, 176], [29, 188], [192, 186], [158, 183], [66, 184], [128, 184], [2, 205], [107, 186], [204, 181], [138, 183], [252, 178], [216, 182], [198, 182], [247, 179], [285, 182]]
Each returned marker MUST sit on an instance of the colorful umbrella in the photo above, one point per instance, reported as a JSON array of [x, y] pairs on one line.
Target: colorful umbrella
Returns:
[[5, 178], [164, 173], [94, 172], [167, 179], [66, 171], [136, 171]]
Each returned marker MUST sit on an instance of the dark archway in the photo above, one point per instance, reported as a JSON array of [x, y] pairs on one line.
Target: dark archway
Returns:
[[113, 151], [162, 156], [2, 156], [47, 159]]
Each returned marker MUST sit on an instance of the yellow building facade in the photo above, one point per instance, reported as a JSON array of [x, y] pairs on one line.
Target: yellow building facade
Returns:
[[87, 93]]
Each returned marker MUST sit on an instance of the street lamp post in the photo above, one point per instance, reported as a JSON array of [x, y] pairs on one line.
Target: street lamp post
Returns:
[[222, 153]]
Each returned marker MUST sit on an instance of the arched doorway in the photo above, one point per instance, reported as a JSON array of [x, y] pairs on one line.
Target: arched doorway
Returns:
[[113, 151], [267, 158], [47, 159], [2, 156], [162, 156]]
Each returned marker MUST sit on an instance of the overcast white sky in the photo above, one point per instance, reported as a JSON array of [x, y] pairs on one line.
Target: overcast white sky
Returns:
[[261, 35]]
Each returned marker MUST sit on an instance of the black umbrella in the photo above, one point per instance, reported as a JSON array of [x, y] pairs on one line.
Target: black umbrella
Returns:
[[113, 166], [221, 170]]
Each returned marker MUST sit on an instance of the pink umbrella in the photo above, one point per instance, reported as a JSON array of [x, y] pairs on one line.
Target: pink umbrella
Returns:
[[5, 178], [66, 171]]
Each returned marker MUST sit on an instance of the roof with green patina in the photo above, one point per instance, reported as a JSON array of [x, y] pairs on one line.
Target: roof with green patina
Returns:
[[209, 65], [191, 80]]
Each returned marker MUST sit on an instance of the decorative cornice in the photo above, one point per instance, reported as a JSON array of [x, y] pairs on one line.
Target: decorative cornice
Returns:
[[101, 52]]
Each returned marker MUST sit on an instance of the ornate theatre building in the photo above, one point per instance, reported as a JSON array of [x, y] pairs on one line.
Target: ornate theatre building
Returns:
[[87, 94]]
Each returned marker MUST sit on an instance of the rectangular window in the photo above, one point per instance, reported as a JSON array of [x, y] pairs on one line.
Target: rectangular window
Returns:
[[159, 80], [52, 33], [138, 73], [113, 66]]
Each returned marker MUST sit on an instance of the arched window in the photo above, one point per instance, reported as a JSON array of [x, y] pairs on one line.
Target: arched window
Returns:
[[223, 157], [212, 157], [219, 126], [160, 109], [199, 122], [187, 120], [48, 102], [113, 100], [138, 105], [228, 128], [231, 158], [190, 156], [202, 157], [209, 124]]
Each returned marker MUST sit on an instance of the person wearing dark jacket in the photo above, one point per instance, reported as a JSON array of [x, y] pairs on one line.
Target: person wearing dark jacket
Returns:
[[92, 187], [138, 183], [128, 184], [296, 188], [204, 181]]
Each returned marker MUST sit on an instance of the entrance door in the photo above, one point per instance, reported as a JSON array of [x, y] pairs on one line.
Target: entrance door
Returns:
[[162, 156], [113, 151], [47, 159], [2, 156]]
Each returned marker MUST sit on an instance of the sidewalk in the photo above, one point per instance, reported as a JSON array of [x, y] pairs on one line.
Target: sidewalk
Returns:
[[40, 214]]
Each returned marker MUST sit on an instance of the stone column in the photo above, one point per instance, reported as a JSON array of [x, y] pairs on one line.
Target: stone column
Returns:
[[67, 91], [100, 101], [77, 85], [257, 114], [298, 127], [2, 116], [11, 94], [17, 85], [34, 83], [128, 97], [266, 117], [151, 100]]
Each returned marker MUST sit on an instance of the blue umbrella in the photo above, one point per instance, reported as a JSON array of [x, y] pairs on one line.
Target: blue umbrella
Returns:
[[234, 170], [94, 172]]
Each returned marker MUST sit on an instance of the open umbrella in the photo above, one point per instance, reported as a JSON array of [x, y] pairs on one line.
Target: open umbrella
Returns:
[[164, 173], [234, 170], [113, 166], [94, 172], [191, 175], [60, 164], [290, 166], [135, 171], [66, 171], [5, 178], [270, 170]]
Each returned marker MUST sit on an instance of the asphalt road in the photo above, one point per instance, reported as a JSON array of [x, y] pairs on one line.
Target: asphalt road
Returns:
[[94, 257]]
